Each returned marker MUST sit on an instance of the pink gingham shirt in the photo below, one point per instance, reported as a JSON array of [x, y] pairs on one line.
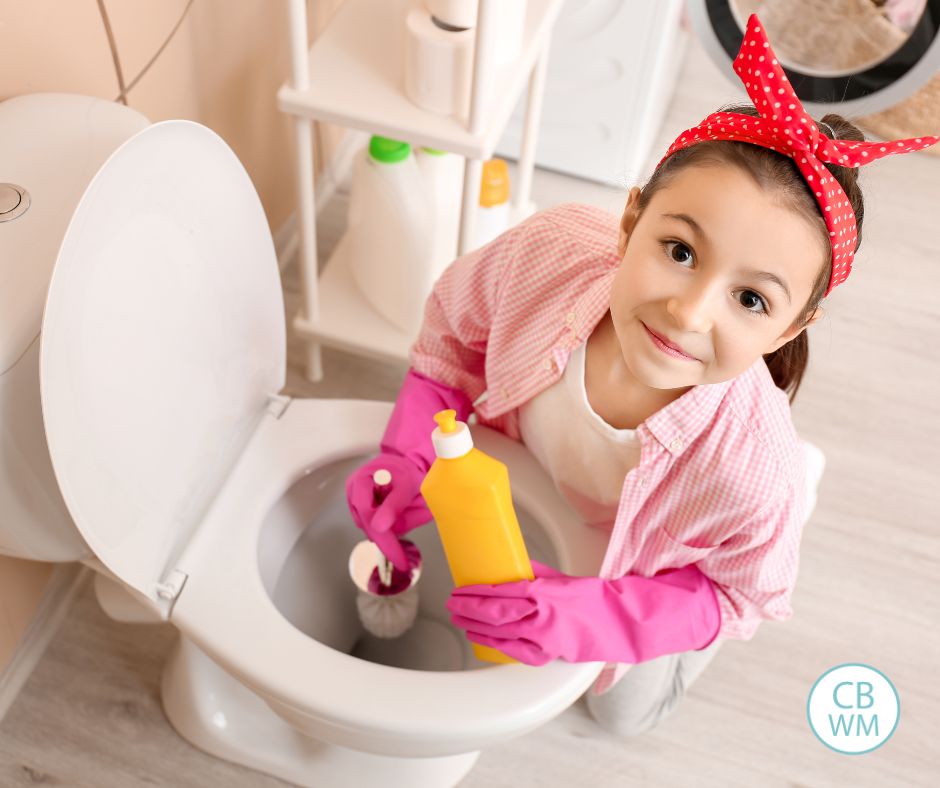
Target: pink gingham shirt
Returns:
[[722, 473]]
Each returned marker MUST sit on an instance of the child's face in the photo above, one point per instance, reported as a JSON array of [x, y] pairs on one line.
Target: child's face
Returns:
[[704, 294]]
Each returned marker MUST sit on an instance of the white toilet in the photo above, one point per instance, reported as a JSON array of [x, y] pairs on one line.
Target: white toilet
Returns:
[[140, 296]]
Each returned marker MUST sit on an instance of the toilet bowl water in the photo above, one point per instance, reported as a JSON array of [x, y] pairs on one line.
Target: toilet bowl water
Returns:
[[319, 599]]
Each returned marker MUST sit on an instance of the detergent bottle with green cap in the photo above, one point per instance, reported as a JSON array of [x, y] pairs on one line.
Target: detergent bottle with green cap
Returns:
[[389, 236], [469, 496]]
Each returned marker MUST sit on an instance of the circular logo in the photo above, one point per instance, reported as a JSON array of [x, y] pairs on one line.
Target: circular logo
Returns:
[[853, 708]]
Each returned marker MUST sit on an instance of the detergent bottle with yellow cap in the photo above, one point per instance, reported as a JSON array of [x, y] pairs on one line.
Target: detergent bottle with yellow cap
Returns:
[[468, 494], [492, 218]]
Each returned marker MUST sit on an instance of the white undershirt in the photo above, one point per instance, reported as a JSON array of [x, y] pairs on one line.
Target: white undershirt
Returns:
[[585, 456]]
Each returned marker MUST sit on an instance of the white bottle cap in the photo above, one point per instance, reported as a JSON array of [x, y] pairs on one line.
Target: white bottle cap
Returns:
[[451, 438]]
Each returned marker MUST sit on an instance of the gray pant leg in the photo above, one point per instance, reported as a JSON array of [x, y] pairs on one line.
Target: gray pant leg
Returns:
[[649, 692]]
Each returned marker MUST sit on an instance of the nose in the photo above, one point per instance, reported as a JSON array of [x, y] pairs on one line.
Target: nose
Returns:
[[693, 309]]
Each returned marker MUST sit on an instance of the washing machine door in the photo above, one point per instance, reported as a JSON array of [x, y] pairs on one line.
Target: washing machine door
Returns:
[[854, 59], [162, 338]]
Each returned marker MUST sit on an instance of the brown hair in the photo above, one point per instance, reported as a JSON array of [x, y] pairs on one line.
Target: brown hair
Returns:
[[772, 170]]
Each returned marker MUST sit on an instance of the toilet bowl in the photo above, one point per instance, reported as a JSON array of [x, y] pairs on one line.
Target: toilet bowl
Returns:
[[176, 470], [279, 612]]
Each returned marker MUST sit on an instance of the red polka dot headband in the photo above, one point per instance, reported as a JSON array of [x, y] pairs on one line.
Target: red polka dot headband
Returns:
[[785, 127]]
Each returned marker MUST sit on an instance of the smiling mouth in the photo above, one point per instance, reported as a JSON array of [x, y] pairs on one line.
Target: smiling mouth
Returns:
[[668, 349]]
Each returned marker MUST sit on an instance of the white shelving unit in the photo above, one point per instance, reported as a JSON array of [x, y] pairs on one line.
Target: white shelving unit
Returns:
[[353, 76]]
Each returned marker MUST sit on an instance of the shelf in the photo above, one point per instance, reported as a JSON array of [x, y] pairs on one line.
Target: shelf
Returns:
[[347, 320], [356, 79]]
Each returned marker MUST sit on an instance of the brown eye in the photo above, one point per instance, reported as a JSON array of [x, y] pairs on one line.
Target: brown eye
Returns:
[[754, 299], [680, 250]]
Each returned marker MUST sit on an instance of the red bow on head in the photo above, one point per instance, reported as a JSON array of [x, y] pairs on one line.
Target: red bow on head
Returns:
[[785, 127]]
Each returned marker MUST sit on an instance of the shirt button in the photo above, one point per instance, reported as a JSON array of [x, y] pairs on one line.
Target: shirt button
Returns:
[[676, 444], [569, 318], [505, 393], [548, 364], [642, 481]]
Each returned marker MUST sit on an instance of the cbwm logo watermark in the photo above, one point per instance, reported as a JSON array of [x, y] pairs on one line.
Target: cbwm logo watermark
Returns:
[[853, 708]]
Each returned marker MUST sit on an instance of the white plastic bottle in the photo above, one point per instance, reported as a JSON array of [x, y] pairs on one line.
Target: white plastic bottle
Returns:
[[444, 182], [492, 216], [390, 243]]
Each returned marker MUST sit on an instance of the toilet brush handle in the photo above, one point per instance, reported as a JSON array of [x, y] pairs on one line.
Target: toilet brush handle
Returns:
[[381, 487]]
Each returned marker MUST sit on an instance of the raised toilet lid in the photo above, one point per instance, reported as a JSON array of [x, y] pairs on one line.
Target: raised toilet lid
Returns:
[[162, 339]]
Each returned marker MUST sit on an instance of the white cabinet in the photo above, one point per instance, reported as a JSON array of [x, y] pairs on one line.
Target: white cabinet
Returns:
[[353, 76]]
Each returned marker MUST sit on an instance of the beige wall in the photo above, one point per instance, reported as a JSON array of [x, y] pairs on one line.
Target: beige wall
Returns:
[[222, 67]]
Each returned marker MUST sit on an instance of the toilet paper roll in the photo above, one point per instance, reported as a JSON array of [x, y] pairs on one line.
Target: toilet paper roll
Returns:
[[508, 27], [438, 64], [457, 13]]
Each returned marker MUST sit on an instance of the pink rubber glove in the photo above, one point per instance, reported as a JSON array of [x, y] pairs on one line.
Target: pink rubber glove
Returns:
[[407, 453], [587, 619]]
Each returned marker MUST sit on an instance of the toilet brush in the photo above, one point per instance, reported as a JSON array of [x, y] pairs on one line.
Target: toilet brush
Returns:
[[387, 601], [381, 487]]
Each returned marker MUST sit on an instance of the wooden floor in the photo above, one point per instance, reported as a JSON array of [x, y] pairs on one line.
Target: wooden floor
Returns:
[[868, 591]]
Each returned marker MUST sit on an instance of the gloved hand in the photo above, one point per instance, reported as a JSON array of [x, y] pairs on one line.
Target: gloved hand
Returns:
[[407, 453], [588, 619], [402, 509]]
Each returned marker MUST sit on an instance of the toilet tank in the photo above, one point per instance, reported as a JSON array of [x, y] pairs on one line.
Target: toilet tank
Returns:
[[51, 145]]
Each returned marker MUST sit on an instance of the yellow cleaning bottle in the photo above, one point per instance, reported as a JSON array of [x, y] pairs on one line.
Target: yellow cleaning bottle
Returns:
[[468, 493]]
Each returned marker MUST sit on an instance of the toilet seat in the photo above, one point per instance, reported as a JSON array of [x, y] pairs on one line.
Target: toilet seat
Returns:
[[170, 446]]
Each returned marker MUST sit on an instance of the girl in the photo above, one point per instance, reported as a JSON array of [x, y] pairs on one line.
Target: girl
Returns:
[[647, 368]]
